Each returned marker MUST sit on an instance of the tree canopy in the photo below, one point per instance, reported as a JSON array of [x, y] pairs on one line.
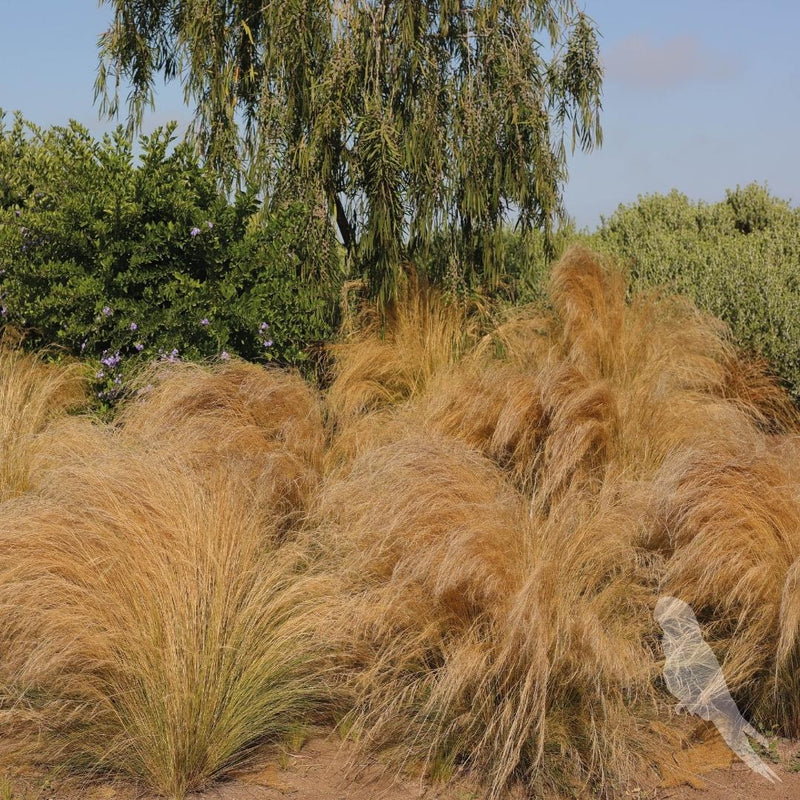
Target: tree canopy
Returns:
[[410, 125]]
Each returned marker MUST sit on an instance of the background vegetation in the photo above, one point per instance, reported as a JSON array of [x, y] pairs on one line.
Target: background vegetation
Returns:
[[123, 261], [738, 259], [399, 125]]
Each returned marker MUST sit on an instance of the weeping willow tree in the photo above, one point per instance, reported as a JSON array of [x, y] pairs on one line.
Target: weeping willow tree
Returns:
[[404, 125]]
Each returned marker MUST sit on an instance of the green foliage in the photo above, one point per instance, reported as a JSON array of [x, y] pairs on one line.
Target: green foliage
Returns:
[[409, 123], [123, 262], [738, 259], [527, 259]]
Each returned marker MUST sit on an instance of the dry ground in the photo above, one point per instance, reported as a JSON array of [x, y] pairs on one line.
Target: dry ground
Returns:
[[737, 782], [320, 772], [325, 769]]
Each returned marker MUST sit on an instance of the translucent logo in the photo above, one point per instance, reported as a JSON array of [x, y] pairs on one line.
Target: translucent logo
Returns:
[[694, 677]]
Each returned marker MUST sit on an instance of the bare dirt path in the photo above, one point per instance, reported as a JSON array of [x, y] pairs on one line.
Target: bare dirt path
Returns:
[[320, 772], [737, 782], [325, 769]]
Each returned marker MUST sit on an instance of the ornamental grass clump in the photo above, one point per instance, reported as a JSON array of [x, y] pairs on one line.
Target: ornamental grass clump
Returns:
[[33, 393], [386, 359], [730, 518], [265, 424], [480, 636], [503, 534], [150, 624], [155, 616]]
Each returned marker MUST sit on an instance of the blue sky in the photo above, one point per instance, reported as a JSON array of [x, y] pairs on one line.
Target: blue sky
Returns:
[[699, 95]]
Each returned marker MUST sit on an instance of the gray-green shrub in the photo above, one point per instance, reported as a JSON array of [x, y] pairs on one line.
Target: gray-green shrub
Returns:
[[738, 259]]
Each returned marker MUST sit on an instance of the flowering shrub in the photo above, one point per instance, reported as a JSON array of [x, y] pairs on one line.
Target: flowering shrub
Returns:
[[122, 262]]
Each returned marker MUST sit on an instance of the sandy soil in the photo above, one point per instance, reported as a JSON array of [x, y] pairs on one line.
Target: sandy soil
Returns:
[[324, 769], [320, 772], [737, 782]]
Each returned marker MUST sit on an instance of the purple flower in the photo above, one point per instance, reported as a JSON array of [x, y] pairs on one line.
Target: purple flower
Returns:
[[194, 231], [83, 345], [204, 321], [210, 224], [268, 343], [107, 312], [134, 326], [225, 356], [99, 374], [171, 358], [139, 347], [111, 361], [263, 326], [118, 380]]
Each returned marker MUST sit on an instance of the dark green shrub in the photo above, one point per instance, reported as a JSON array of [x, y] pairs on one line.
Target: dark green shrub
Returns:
[[124, 262]]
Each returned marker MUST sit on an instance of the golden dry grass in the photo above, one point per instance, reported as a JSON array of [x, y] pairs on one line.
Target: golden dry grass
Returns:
[[150, 628], [480, 636], [265, 424], [612, 449], [154, 621], [386, 359], [32, 394], [730, 518], [468, 534]]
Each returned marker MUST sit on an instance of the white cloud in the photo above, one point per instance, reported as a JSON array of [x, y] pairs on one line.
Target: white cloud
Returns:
[[641, 62]]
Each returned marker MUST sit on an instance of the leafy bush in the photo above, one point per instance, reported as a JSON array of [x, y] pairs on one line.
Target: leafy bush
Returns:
[[124, 262], [738, 259]]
